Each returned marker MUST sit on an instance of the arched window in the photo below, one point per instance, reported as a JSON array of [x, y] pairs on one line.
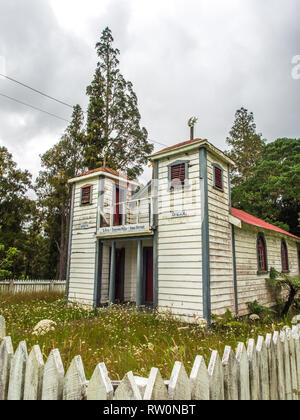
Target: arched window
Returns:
[[262, 253], [284, 256]]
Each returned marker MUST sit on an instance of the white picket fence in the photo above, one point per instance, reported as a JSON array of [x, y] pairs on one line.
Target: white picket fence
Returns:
[[28, 286], [266, 370]]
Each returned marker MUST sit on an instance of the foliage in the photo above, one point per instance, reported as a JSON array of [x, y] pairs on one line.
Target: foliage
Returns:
[[290, 283], [122, 337], [273, 191], [62, 162], [7, 261], [114, 136], [246, 146], [258, 309]]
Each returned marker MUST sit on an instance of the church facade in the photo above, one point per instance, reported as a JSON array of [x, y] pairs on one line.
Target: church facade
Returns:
[[175, 245]]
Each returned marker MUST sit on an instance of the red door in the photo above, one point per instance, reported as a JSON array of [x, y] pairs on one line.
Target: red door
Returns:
[[148, 270], [120, 264]]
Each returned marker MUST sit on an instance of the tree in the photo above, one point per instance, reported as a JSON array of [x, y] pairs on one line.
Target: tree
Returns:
[[246, 145], [62, 162], [291, 284], [114, 136], [273, 191]]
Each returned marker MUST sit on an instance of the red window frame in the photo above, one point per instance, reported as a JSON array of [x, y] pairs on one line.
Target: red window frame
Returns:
[[86, 195], [284, 256], [262, 254]]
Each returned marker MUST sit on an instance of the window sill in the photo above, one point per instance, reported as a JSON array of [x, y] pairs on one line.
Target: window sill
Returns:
[[218, 189], [262, 272], [285, 272]]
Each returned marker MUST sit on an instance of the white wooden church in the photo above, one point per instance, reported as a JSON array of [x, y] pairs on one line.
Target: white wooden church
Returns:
[[177, 244]]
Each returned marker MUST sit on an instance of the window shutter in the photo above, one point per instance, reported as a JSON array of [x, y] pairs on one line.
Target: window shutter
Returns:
[[218, 178], [86, 195], [178, 172]]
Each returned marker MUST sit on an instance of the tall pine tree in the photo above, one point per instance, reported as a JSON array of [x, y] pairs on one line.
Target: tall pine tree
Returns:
[[246, 146], [114, 135], [62, 162]]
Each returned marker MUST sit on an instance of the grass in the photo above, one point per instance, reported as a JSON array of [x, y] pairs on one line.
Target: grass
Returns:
[[121, 337]]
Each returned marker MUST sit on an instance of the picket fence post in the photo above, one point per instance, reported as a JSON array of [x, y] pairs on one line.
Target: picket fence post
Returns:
[[268, 370]]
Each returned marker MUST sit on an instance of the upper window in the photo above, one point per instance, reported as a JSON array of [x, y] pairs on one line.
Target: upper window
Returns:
[[284, 256], [86, 194], [178, 173], [262, 253], [218, 177]]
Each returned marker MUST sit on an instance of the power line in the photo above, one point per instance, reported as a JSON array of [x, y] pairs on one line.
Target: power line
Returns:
[[33, 107], [36, 90], [53, 115]]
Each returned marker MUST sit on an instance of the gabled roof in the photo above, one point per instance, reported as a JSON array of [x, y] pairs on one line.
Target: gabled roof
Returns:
[[104, 169], [190, 145], [254, 221]]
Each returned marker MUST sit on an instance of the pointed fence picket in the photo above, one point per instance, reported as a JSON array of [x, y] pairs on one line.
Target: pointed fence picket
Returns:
[[268, 369]]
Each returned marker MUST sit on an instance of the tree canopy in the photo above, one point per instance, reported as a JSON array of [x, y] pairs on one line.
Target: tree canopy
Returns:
[[114, 135], [273, 191]]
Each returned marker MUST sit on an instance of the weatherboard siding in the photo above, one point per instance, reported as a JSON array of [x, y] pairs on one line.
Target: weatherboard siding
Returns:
[[83, 247], [179, 242], [251, 285], [220, 242]]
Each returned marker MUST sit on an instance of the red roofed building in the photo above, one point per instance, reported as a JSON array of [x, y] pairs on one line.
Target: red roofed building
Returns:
[[174, 244]]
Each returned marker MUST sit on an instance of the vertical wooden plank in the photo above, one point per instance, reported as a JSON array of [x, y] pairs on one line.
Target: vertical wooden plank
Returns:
[[53, 380], [179, 386], [262, 358], [254, 380], [34, 375], [2, 327], [199, 380], [156, 388], [17, 373], [243, 372], [216, 377], [100, 387], [230, 370], [287, 366], [296, 338], [292, 357], [280, 366], [128, 389], [272, 363], [75, 384], [6, 355]]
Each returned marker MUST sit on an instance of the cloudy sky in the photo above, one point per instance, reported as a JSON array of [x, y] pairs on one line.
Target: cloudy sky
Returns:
[[203, 58]]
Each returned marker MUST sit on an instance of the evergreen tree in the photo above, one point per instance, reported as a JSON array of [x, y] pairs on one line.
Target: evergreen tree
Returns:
[[246, 145], [272, 193], [62, 162], [114, 136]]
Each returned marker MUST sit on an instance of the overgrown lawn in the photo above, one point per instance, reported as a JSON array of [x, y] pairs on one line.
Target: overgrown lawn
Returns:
[[121, 337]]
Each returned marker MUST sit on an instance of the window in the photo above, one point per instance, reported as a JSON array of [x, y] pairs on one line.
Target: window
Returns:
[[178, 173], [86, 195], [284, 257], [218, 177], [262, 254]]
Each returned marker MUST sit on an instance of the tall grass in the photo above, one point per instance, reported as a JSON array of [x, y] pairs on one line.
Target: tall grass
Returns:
[[122, 337]]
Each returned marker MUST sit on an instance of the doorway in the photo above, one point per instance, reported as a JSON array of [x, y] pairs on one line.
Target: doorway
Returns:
[[148, 275], [120, 269]]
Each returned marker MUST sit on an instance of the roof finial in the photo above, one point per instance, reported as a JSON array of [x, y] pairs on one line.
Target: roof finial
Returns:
[[191, 123]]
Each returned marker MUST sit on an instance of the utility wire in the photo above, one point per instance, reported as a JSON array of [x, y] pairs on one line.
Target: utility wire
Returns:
[[33, 107], [37, 91]]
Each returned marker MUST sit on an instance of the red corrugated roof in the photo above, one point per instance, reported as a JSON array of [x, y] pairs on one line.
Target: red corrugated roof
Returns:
[[104, 169], [254, 221]]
